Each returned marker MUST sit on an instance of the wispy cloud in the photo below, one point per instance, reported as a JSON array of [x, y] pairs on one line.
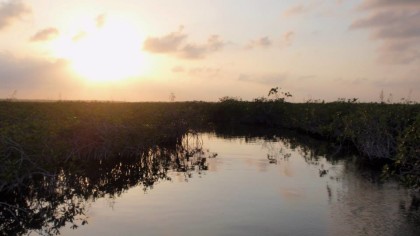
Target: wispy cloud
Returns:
[[11, 11], [288, 38], [396, 24], [79, 36], [205, 71], [296, 10], [165, 44], [45, 35], [193, 51], [266, 42], [305, 8], [215, 43], [370, 4], [175, 43], [100, 20], [312, 7], [198, 71], [263, 42]]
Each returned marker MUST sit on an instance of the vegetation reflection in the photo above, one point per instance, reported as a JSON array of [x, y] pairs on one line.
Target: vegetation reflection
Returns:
[[44, 201]]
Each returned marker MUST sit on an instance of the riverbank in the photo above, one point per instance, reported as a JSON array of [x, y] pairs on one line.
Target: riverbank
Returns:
[[60, 131], [378, 132]]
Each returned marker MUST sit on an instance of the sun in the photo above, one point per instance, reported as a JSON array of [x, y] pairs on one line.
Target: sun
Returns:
[[102, 54]]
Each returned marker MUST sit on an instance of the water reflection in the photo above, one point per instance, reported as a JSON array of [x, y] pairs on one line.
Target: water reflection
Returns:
[[45, 202], [359, 200], [362, 203], [262, 182]]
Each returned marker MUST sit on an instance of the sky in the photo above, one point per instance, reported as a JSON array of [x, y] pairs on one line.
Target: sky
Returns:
[[139, 50]]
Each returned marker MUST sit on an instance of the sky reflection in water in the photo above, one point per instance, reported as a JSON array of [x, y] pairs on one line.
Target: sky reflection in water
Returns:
[[258, 188]]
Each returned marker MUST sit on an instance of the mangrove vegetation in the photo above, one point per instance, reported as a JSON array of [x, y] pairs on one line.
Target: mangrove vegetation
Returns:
[[56, 155]]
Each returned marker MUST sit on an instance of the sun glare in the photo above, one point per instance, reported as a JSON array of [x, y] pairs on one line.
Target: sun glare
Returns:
[[101, 54]]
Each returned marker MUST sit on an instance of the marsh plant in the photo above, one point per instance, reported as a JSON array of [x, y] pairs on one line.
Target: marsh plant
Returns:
[[384, 133], [56, 131]]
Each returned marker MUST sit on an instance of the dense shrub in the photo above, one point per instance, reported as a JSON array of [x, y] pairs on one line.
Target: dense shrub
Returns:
[[74, 129]]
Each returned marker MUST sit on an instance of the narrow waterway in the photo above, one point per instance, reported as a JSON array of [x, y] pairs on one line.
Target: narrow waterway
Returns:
[[259, 187]]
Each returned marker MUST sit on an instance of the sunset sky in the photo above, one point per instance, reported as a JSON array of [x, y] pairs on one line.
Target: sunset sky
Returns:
[[138, 50]]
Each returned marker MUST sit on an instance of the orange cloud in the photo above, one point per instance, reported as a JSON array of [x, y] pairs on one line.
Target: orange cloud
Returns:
[[165, 44], [175, 44], [100, 20], [45, 35], [79, 36]]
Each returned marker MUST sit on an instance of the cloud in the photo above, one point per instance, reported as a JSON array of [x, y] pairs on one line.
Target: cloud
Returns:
[[197, 51], [301, 9], [175, 44], [288, 38], [79, 36], [396, 25], [166, 44], [100, 20], [403, 51], [33, 75], [263, 42], [192, 51], [369, 4], [11, 11], [313, 8], [295, 10], [45, 35], [205, 71], [215, 43], [266, 42], [392, 23]]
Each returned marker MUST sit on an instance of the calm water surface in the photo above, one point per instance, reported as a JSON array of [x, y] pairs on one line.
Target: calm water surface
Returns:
[[258, 187]]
